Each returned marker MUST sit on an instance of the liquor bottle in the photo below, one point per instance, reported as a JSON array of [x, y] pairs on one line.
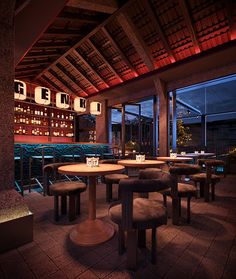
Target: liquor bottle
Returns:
[[45, 112], [28, 110]]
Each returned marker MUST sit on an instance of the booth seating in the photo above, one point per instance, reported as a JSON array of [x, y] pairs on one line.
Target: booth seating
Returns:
[[207, 180], [18, 158], [72, 153], [72, 189], [95, 152], [46, 155], [135, 216], [110, 179]]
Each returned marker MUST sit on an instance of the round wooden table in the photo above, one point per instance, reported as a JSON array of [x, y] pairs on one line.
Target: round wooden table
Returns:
[[92, 231], [175, 159], [145, 164]]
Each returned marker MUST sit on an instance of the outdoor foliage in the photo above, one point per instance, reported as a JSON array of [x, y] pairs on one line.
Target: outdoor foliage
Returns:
[[183, 134]]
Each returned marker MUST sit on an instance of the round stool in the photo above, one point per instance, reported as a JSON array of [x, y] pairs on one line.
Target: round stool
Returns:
[[72, 189]]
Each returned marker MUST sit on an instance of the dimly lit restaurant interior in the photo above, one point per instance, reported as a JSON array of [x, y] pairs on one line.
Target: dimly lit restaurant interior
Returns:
[[118, 139]]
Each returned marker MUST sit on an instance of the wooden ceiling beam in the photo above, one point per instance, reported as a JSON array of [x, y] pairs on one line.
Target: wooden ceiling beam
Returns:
[[157, 26], [68, 76], [123, 56], [29, 62], [136, 39], [89, 67], [79, 18], [49, 81], [62, 82], [29, 69], [102, 6], [189, 24], [105, 61], [62, 32], [81, 74], [52, 45], [41, 54]]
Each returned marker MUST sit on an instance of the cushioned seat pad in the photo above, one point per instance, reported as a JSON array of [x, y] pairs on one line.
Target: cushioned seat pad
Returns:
[[70, 187], [144, 211], [41, 157], [115, 177], [183, 188], [201, 177], [71, 156]]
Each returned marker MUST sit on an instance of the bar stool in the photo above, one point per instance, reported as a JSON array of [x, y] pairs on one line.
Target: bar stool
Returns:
[[72, 153], [62, 189], [42, 159], [208, 179], [18, 158]]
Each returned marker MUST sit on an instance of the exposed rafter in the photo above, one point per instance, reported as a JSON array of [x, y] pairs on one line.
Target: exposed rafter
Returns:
[[103, 6], [136, 39], [105, 61], [64, 73], [63, 32], [78, 72], [40, 54], [49, 81], [157, 26], [52, 45], [188, 20], [29, 69], [123, 56], [78, 17], [89, 67], [62, 82]]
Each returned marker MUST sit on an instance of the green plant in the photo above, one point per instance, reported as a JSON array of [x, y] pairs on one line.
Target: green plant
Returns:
[[183, 134], [131, 145]]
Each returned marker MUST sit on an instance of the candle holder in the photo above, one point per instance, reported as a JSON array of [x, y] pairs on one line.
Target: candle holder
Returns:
[[195, 152], [173, 155], [202, 151], [92, 162], [140, 158], [183, 153]]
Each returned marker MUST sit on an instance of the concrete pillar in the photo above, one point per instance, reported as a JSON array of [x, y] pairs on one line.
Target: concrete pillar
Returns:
[[102, 132], [7, 94], [163, 117]]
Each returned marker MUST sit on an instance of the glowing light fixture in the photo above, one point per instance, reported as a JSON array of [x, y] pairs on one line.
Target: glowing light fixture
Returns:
[[42, 95], [95, 108], [62, 100], [80, 104], [20, 90]]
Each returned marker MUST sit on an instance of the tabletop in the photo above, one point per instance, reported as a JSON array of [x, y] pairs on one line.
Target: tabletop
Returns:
[[145, 164], [197, 154], [84, 170], [175, 159]]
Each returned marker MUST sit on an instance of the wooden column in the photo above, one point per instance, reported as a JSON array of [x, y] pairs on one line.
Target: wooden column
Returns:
[[102, 124], [163, 117], [7, 94]]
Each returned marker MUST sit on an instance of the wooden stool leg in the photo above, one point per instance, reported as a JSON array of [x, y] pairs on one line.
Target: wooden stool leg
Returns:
[[202, 189], [108, 192], [188, 209], [72, 214], [132, 249], [206, 192], [165, 200], [63, 204], [154, 243], [213, 191], [179, 206], [56, 208], [121, 240], [78, 204], [142, 238]]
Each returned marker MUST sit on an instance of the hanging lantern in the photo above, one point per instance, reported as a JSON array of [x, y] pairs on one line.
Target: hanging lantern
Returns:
[[95, 108], [42, 95], [62, 100], [80, 104], [20, 90]]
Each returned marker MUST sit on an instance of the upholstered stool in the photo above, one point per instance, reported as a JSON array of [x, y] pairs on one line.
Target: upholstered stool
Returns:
[[182, 190], [111, 179], [72, 189], [207, 180], [135, 216]]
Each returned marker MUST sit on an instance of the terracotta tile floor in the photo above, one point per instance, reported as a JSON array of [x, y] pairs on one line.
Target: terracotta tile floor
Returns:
[[204, 249]]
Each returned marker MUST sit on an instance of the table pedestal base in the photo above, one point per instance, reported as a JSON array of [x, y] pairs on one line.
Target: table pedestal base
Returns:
[[91, 232]]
